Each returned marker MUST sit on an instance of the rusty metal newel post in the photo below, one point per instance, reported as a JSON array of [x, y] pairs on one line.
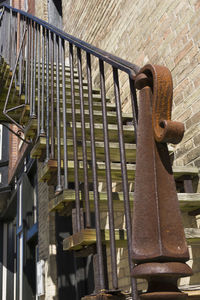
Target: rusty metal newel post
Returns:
[[159, 247]]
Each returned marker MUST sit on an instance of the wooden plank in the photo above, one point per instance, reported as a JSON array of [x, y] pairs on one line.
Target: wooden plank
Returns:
[[88, 237], [187, 202], [51, 167], [95, 97], [129, 136], [99, 146], [96, 105]]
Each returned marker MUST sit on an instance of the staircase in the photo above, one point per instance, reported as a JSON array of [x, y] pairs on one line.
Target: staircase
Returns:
[[66, 97]]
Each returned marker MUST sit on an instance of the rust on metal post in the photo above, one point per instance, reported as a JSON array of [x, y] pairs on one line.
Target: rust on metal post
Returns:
[[159, 246]]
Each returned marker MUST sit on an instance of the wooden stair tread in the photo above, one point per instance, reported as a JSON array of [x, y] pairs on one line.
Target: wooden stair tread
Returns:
[[40, 147], [97, 115], [24, 118], [193, 291], [95, 91], [50, 169], [87, 237], [187, 201], [128, 130]]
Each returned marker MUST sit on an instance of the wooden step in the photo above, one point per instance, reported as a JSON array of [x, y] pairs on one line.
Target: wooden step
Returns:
[[87, 237], [97, 115], [40, 147], [95, 97], [193, 291], [68, 88], [96, 106], [128, 130], [187, 201], [50, 170]]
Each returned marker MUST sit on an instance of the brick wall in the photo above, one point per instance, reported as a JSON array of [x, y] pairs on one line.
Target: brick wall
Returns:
[[160, 32], [16, 152], [41, 9]]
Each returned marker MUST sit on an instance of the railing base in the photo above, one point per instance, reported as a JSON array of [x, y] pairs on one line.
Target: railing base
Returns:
[[162, 279]]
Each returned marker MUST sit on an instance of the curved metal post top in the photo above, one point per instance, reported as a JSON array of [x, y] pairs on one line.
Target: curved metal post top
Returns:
[[159, 246]]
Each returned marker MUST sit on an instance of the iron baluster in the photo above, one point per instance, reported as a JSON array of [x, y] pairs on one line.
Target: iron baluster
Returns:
[[74, 134], [52, 97], [47, 96], [108, 177], [21, 26], [42, 131], [65, 162], [59, 186], [38, 84], [134, 105], [34, 69], [31, 68], [29, 61], [84, 146], [26, 70], [124, 179]]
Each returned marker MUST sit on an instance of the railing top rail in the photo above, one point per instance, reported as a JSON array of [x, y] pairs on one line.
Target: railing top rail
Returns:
[[113, 60]]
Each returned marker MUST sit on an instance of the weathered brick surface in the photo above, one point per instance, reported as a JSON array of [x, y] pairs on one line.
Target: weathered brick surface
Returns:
[[41, 9], [160, 32]]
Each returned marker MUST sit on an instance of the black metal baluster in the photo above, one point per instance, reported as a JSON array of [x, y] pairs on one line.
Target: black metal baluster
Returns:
[[84, 146], [134, 105], [29, 59], [38, 83], [124, 178], [21, 25], [62, 46], [47, 96], [15, 54], [76, 167], [95, 179], [34, 69], [10, 38], [42, 132], [31, 67], [27, 62], [108, 178], [52, 98], [23, 57], [3, 43], [59, 186]]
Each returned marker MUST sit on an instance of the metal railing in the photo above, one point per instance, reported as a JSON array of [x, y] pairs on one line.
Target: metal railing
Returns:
[[35, 49]]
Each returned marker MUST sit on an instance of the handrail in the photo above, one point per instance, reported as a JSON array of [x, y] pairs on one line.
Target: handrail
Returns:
[[115, 61], [34, 50]]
